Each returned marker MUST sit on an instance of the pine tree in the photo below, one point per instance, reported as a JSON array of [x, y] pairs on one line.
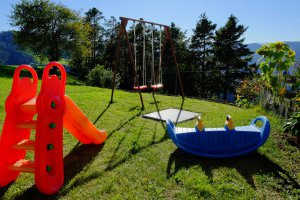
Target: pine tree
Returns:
[[201, 49], [202, 40], [110, 42], [93, 17], [231, 54], [170, 79]]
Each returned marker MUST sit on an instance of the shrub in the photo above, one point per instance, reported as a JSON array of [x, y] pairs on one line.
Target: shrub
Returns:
[[248, 92], [292, 125], [99, 77], [242, 102], [249, 88]]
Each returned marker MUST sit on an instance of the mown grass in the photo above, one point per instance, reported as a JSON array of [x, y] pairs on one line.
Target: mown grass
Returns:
[[139, 161]]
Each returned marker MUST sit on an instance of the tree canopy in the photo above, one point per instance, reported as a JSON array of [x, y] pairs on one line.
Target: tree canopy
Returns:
[[46, 28], [231, 54], [202, 53], [96, 34], [202, 40]]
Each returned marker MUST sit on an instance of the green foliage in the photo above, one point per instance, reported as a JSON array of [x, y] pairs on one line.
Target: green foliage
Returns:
[[110, 34], [277, 58], [95, 35], [297, 74], [248, 92], [99, 77], [292, 125], [44, 27], [170, 79], [231, 54], [243, 102], [202, 54], [249, 89], [80, 54]]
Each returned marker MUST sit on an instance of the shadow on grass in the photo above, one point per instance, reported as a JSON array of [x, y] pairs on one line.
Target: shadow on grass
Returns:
[[247, 166], [123, 123], [80, 157], [111, 166], [101, 114], [181, 108], [3, 190], [134, 149]]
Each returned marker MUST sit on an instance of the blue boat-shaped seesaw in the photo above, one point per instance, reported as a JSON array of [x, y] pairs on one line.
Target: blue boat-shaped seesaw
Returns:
[[224, 142]]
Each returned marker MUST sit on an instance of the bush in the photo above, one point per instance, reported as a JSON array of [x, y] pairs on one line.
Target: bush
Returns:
[[249, 88], [99, 77], [248, 92], [292, 125], [242, 102]]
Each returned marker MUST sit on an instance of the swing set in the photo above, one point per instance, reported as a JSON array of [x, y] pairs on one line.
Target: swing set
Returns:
[[155, 83]]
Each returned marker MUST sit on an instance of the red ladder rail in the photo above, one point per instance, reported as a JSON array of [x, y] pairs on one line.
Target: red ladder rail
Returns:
[[51, 107], [23, 90]]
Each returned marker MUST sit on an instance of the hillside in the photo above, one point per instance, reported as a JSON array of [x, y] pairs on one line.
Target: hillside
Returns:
[[139, 161], [10, 54]]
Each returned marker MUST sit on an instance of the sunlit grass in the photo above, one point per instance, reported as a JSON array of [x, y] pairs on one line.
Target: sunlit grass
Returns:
[[139, 161]]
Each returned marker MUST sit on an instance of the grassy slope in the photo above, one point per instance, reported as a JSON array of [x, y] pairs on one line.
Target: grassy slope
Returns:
[[139, 161]]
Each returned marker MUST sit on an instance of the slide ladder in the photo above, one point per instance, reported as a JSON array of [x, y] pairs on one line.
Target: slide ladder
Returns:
[[41, 117]]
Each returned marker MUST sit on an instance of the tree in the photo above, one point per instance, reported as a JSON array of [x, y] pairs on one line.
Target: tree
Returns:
[[81, 53], [93, 17], [202, 40], [170, 78], [110, 42], [201, 47], [231, 54], [44, 27]]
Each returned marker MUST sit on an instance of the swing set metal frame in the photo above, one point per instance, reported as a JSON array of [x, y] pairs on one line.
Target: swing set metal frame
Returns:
[[123, 32]]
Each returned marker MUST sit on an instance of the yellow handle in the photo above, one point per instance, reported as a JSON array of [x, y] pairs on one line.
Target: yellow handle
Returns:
[[229, 122], [200, 125]]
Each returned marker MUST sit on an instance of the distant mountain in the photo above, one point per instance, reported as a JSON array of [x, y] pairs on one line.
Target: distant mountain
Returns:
[[293, 45], [10, 54]]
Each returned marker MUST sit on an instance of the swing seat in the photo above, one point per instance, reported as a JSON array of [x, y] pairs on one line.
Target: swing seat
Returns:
[[157, 86], [142, 87]]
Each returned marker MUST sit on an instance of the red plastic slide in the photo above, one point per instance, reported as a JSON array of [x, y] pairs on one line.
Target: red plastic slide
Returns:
[[53, 111]]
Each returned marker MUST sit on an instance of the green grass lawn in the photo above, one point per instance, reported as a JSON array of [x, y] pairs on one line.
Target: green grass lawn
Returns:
[[139, 161]]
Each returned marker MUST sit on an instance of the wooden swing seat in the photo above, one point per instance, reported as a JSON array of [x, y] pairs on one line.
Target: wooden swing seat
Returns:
[[142, 87], [157, 86]]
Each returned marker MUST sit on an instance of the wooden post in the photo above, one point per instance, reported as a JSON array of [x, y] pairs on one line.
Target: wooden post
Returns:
[[113, 84]]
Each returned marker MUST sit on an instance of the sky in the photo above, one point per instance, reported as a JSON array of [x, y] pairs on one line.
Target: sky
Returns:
[[267, 20]]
